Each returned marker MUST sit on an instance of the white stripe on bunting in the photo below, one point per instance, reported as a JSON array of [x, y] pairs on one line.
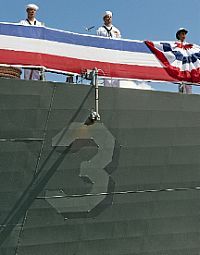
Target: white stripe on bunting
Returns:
[[78, 51]]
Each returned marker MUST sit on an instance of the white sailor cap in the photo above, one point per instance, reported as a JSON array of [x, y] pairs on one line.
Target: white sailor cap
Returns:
[[181, 29], [107, 13], [32, 6]]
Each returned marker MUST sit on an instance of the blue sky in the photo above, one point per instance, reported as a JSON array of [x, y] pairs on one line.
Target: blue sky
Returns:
[[136, 19]]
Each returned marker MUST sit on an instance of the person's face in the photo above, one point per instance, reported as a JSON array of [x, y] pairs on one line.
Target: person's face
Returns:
[[107, 19], [31, 13], [182, 36]]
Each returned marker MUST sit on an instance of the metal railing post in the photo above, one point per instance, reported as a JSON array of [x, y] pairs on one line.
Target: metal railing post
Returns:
[[42, 74], [94, 115], [96, 93]]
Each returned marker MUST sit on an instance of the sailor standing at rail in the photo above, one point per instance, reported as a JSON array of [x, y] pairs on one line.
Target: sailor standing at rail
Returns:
[[108, 30], [181, 36], [31, 9]]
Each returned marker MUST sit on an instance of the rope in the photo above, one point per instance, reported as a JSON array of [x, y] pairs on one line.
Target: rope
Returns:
[[10, 72]]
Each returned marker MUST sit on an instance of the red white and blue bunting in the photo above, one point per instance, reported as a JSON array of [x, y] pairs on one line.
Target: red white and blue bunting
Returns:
[[60, 51]]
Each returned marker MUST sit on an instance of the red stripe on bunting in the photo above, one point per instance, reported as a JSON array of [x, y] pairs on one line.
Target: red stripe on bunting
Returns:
[[73, 65]]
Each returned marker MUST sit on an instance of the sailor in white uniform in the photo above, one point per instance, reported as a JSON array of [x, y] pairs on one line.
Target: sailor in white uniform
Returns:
[[181, 36], [108, 30], [31, 9]]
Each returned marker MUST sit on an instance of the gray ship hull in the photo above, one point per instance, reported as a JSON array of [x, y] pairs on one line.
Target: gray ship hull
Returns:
[[125, 185]]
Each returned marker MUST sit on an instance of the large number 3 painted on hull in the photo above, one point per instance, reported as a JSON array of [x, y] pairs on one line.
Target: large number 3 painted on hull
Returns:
[[94, 169]]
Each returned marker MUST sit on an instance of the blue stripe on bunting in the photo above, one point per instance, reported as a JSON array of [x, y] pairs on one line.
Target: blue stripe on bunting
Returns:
[[43, 33], [166, 47], [179, 56]]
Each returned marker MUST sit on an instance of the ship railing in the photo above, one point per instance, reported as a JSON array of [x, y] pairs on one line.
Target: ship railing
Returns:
[[68, 77]]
